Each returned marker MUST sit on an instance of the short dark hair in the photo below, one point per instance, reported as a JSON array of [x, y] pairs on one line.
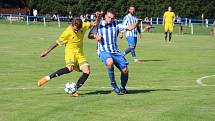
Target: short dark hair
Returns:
[[131, 5], [111, 11]]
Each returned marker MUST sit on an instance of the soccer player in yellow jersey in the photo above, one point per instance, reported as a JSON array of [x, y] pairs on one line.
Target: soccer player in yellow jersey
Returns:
[[168, 20], [72, 39]]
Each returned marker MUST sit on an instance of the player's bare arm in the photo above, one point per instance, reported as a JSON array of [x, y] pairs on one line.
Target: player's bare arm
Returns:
[[139, 31], [163, 21], [46, 52], [121, 35], [96, 24], [94, 36], [133, 26], [98, 17]]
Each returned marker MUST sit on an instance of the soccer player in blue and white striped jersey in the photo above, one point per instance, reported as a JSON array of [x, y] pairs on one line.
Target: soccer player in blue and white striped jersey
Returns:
[[131, 36], [108, 51]]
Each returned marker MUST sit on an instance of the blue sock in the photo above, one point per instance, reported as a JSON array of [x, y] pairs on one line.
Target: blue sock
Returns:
[[133, 54], [124, 80], [128, 50], [111, 75]]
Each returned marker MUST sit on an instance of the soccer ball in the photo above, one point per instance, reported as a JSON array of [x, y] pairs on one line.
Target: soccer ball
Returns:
[[70, 88]]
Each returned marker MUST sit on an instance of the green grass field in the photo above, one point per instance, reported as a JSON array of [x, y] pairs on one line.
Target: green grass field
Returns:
[[162, 88]]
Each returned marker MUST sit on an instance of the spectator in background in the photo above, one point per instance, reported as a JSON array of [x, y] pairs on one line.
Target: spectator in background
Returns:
[[54, 17], [179, 21], [83, 17], [35, 14], [148, 25], [70, 18], [92, 17], [213, 29], [28, 12]]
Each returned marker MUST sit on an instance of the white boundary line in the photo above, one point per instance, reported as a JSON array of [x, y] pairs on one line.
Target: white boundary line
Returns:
[[199, 80]]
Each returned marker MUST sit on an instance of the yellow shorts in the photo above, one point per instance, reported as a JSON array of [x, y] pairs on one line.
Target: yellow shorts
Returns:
[[168, 28], [77, 60]]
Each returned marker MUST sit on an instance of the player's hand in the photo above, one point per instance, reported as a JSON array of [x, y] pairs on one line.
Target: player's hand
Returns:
[[120, 35], [98, 38], [43, 53], [140, 36], [139, 21]]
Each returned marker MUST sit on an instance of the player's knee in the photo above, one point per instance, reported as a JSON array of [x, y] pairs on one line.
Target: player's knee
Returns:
[[125, 71], [109, 63], [132, 47], [70, 68], [86, 69]]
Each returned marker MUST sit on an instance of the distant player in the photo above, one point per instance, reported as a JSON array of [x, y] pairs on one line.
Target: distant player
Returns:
[[131, 35], [168, 21], [72, 39], [108, 51]]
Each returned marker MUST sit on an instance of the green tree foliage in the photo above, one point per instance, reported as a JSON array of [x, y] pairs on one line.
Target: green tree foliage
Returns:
[[154, 8]]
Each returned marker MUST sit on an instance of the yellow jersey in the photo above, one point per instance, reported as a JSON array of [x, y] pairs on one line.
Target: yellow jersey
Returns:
[[169, 16], [73, 41]]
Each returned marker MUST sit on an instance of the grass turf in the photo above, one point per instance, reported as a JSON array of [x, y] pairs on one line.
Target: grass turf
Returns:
[[162, 88]]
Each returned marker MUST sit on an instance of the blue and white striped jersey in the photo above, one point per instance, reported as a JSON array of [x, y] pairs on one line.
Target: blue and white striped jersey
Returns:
[[129, 20], [109, 33]]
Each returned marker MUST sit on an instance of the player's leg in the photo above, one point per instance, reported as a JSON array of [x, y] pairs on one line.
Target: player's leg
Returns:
[[132, 42], [70, 62], [121, 63], [108, 61], [65, 70], [86, 72], [133, 52], [213, 31], [85, 68], [110, 69], [124, 80], [170, 33], [166, 32], [128, 50], [170, 36]]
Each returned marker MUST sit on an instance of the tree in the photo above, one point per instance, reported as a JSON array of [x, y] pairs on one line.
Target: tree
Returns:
[[152, 8]]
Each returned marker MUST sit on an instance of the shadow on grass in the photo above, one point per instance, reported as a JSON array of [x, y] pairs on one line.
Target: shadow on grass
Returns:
[[147, 91], [105, 92], [129, 91], [98, 92]]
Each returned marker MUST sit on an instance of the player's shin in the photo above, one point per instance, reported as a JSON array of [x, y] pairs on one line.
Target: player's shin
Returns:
[[81, 80], [124, 79], [60, 72], [170, 36], [128, 50], [133, 53], [112, 77], [165, 36]]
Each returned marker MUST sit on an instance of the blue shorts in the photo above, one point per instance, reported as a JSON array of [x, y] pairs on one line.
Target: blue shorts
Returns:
[[132, 41], [118, 58]]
